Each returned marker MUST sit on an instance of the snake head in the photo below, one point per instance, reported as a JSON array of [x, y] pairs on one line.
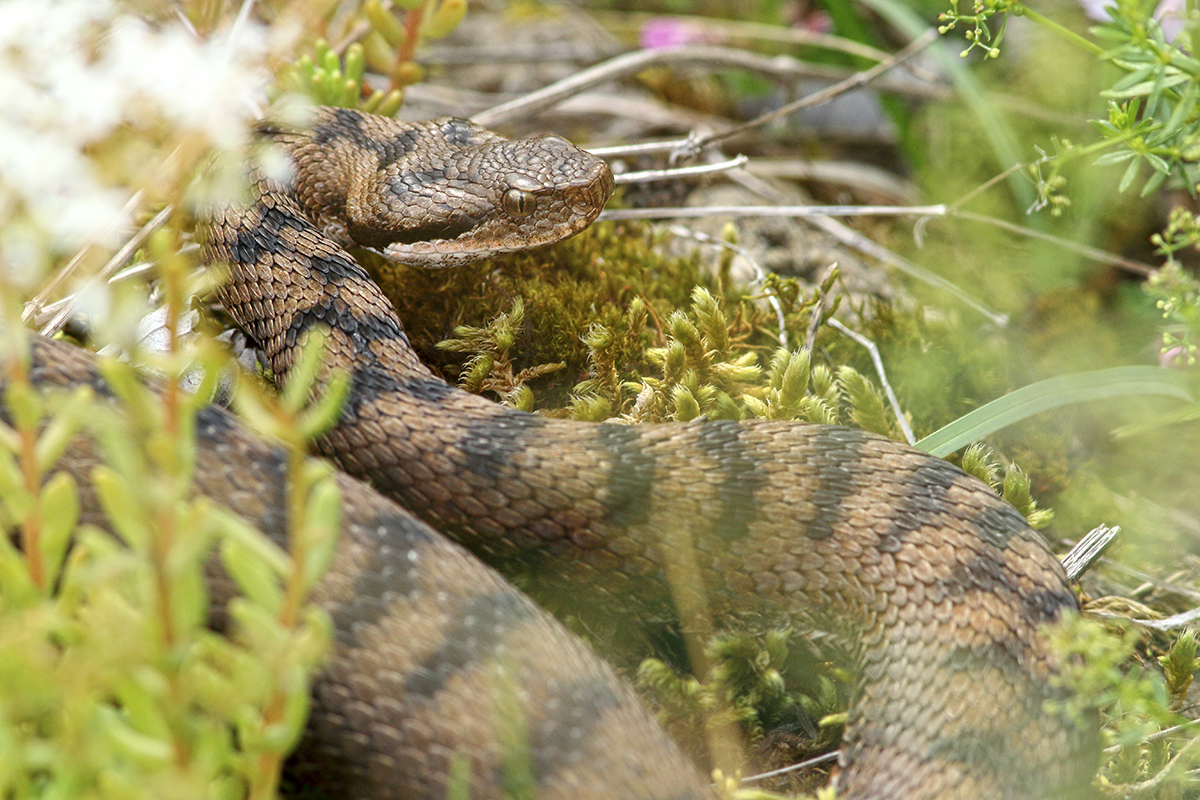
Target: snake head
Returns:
[[508, 196], [446, 192]]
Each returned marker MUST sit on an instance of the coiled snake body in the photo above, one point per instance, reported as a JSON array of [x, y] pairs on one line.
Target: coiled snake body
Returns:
[[940, 586]]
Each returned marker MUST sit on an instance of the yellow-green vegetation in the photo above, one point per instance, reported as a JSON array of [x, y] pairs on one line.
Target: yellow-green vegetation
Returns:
[[787, 705], [388, 45], [605, 326], [114, 682]]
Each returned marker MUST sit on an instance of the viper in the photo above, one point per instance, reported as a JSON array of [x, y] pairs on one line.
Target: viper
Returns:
[[940, 590]]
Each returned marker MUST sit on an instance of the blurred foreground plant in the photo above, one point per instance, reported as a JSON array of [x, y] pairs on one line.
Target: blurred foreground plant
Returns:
[[111, 682]]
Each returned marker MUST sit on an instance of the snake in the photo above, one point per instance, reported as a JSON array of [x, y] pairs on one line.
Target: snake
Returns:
[[940, 590]]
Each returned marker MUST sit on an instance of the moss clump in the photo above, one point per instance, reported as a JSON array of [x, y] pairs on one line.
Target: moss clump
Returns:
[[782, 691], [606, 326], [581, 303]]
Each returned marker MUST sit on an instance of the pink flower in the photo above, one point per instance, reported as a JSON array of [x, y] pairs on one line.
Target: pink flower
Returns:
[[671, 32], [1175, 358]]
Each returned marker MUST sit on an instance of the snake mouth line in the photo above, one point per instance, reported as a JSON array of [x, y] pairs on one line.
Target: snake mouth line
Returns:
[[437, 247], [453, 253]]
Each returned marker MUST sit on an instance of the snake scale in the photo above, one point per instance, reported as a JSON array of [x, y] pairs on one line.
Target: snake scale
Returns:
[[938, 586]]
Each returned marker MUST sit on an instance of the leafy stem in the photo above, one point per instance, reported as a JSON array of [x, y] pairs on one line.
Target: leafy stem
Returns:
[[1059, 29]]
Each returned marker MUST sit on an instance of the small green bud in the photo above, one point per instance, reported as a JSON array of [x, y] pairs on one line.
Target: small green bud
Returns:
[[686, 407], [445, 19], [385, 23]]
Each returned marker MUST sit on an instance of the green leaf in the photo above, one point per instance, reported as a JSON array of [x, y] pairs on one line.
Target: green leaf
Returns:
[[757, 407], [251, 407], [62, 429], [25, 405], [1114, 158], [122, 507], [458, 786], [282, 736], [1183, 109], [686, 406], [9, 438], [312, 640], [356, 62], [253, 575], [1153, 183], [1130, 174], [1153, 87], [322, 520], [1184, 62], [189, 596], [150, 751], [302, 377], [445, 19], [257, 626], [384, 22], [329, 59], [231, 526], [141, 697], [1052, 393], [13, 494], [1158, 163], [323, 412], [60, 513], [1134, 78]]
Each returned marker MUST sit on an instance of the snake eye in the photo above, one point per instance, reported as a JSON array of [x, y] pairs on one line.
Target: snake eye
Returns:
[[519, 203]]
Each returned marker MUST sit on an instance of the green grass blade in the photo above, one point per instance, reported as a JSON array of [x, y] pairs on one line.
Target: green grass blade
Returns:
[[1052, 393]]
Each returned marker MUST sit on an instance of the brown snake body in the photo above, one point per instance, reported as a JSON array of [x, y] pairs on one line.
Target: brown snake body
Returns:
[[938, 584]]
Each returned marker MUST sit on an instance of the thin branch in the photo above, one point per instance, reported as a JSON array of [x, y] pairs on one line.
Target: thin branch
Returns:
[[116, 262], [1102, 256], [638, 148], [648, 175], [779, 67], [940, 210], [989, 183], [821, 217], [1158, 583], [1088, 550], [775, 211], [882, 373], [827, 94], [729, 28], [855, 175], [1157, 736], [1152, 787], [817, 315], [809, 762], [537, 53], [36, 304], [1182, 620]]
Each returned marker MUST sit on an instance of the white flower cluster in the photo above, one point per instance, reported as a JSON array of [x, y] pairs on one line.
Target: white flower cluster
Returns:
[[75, 72]]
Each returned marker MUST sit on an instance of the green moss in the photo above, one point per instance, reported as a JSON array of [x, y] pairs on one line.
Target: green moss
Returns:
[[609, 306], [597, 304], [606, 326], [778, 686]]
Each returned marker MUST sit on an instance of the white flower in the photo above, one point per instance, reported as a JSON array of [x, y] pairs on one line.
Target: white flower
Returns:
[[74, 73]]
